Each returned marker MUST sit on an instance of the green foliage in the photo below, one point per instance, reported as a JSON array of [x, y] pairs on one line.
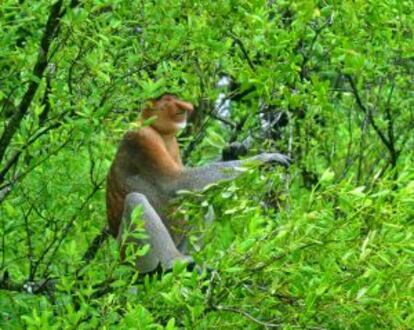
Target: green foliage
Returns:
[[327, 245]]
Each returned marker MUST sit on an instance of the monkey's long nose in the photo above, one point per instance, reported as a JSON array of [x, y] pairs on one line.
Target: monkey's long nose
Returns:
[[184, 105]]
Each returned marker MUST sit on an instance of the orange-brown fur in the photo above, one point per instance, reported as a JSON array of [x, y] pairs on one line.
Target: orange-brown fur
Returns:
[[145, 153]]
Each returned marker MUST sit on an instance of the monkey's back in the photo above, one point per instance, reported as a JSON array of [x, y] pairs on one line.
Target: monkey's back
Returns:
[[115, 197]]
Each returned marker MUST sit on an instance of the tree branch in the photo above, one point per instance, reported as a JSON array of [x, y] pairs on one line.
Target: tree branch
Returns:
[[243, 50], [368, 112], [50, 32]]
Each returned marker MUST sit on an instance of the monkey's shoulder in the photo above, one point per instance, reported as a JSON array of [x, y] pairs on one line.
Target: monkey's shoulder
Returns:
[[143, 138], [146, 148]]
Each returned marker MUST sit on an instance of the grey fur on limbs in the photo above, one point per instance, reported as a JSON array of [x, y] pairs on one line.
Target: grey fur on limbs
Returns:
[[196, 178], [162, 247]]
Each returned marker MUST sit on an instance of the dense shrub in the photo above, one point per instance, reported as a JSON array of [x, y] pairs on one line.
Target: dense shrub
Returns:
[[326, 244]]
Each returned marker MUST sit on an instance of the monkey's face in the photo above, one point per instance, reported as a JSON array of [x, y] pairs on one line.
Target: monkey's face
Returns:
[[171, 114]]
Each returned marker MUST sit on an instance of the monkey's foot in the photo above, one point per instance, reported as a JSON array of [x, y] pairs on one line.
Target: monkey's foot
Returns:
[[168, 266], [159, 271], [163, 269]]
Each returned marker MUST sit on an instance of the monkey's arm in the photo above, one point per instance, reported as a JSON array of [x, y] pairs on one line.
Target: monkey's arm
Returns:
[[149, 151], [197, 178]]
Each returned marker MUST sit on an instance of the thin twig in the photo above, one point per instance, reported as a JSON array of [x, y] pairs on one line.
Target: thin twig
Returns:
[[65, 231], [367, 111], [246, 315], [243, 50]]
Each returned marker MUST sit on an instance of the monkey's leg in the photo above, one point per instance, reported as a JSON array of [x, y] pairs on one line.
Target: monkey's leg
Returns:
[[183, 245], [162, 247]]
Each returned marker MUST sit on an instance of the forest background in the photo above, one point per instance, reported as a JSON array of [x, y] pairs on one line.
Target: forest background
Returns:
[[326, 244]]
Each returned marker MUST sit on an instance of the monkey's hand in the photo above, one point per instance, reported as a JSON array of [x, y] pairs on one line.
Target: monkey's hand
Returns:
[[274, 158]]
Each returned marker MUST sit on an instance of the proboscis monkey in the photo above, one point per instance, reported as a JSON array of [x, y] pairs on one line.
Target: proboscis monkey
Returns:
[[147, 171]]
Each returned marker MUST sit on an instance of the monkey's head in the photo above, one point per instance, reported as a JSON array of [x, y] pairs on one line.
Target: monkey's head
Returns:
[[170, 113]]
